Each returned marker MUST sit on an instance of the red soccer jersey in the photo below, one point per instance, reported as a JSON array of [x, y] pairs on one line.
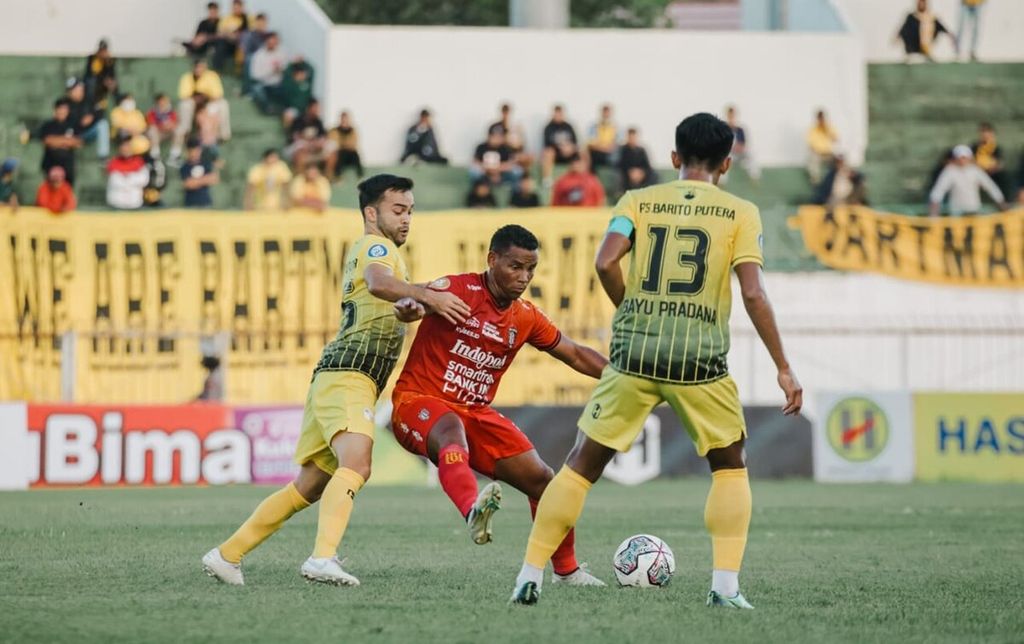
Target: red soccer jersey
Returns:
[[464, 364]]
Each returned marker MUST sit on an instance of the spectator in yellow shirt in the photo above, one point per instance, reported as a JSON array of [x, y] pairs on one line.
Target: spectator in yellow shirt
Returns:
[[821, 141], [310, 189], [127, 121], [604, 139], [267, 184], [205, 81]]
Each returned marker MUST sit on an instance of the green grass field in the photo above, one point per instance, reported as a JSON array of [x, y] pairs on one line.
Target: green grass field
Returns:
[[872, 563]]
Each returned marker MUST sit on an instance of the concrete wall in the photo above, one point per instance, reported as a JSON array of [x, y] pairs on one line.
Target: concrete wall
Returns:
[[73, 27], [654, 78], [876, 22]]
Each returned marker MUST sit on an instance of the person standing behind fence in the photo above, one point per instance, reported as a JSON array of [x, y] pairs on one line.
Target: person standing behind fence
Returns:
[[963, 181], [970, 12]]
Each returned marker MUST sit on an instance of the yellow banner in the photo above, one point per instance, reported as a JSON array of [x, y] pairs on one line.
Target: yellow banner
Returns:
[[269, 282], [969, 437], [968, 251]]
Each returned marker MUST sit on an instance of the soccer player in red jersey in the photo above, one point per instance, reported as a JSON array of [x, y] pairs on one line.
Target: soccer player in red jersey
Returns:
[[442, 401]]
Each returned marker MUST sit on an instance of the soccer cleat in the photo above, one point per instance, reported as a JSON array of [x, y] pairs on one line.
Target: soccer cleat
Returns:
[[480, 515], [327, 570], [736, 601], [525, 594], [579, 577], [217, 567]]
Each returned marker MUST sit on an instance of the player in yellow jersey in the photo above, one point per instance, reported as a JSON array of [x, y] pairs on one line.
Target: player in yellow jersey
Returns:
[[338, 421], [670, 337]]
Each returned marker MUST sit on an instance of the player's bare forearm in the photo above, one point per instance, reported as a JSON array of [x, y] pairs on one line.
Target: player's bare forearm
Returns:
[[613, 248], [583, 359], [755, 300], [383, 284]]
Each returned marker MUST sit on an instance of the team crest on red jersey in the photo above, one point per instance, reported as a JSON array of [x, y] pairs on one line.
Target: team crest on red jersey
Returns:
[[512, 333]]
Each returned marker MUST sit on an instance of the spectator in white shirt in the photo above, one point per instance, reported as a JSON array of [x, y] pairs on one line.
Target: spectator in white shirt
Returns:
[[127, 176], [963, 181], [266, 71]]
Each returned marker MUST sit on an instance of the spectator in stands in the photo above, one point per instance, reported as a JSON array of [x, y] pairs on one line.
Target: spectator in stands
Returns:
[[578, 187], [919, 31], [55, 193], [266, 187], [8, 193], [1020, 181], [127, 120], [970, 12], [60, 141], [205, 81], [989, 156], [229, 32], [205, 128], [559, 143], [346, 141], [310, 189], [603, 140], [634, 167], [197, 175], [266, 72], [162, 121], [100, 75], [481, 195], [963, 181], [821, 142], [525, 195], [740, 151], [493, 161], [90, 123], [308, 140], [152, 194], [421, 142], [127, 177], [296, 90], [514, 137], [842, 186], [206, 33], [251, 42]]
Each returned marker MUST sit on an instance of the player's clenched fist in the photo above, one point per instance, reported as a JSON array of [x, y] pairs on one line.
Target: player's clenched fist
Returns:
[[447, 305], [409, 310]]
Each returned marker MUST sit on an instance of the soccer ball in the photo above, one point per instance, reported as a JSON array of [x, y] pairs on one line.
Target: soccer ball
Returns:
[[643, 560]]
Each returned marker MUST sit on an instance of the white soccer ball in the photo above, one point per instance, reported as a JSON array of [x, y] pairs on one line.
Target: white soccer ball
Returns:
[[644, 560]]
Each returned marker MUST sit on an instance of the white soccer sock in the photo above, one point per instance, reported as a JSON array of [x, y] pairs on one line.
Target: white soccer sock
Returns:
[[530, 573], [725, 582]]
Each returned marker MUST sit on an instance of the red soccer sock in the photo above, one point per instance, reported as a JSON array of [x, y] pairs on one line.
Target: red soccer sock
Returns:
[[457, 479], [564, 559]]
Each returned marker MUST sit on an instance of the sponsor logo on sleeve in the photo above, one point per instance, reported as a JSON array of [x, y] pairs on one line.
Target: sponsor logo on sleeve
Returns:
[[440, 284], [377, 250]]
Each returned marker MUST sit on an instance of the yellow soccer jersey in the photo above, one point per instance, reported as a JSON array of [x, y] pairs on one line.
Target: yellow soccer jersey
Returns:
[[673, 324], [370, 339]]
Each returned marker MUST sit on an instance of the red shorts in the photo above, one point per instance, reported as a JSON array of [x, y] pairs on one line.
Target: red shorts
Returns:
[[490, 436]]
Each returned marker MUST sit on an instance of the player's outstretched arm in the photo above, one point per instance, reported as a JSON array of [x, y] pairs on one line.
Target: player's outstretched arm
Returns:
[[382, 284], [613, 248], [581, 358], [755, 300]]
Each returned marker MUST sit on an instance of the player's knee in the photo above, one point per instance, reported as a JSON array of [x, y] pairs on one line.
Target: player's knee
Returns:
[[727, 458]]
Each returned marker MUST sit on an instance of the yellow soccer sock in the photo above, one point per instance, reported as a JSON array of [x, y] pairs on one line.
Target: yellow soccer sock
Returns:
[[727, 517], [559, 509], [265, 520], [335, 510]]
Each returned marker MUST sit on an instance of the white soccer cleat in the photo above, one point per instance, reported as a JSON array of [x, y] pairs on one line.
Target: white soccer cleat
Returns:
[[482, 513], [219, 568], [579, 577], [327, 570]]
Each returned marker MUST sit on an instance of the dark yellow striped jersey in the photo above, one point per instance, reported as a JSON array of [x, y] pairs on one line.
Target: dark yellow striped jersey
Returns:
[[673, 323], [370, 338]]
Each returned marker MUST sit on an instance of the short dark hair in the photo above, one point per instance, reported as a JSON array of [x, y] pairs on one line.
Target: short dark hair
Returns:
[[424, 113], [703, 139], [372, 189], [61, 102], [513, 235], [985, 125], [269, 151], [158, 96], [212, 5], [261, 16]]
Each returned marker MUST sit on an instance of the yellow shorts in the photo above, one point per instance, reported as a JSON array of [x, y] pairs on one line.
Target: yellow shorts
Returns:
[[710, 412], [338, 401]]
